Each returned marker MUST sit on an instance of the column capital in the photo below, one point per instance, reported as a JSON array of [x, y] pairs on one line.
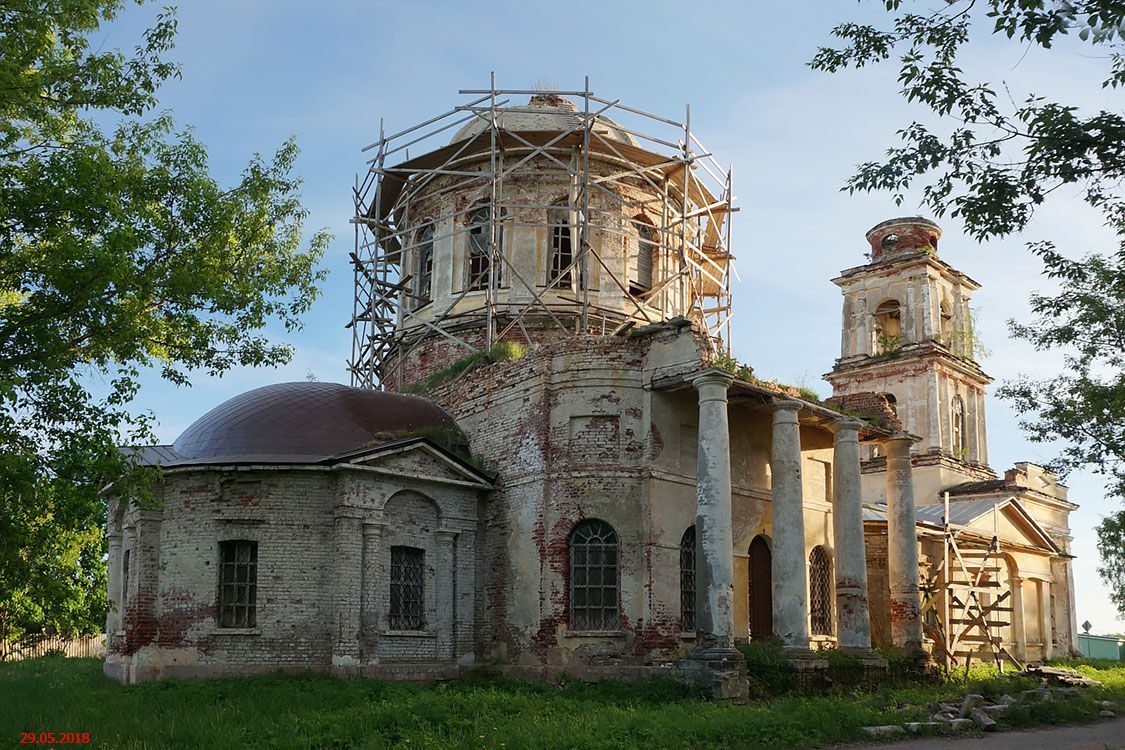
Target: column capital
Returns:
[[846, 424], [902, 437], [712, 376], [786, 406], [445, 535]]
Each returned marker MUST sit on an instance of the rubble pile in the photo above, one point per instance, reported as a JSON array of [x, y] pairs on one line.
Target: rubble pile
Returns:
[[947, 717]]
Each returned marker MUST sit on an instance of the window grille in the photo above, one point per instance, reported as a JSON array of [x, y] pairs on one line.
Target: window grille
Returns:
[[820, 591], [593, 577], [562, 250], [425, 264], [407, 568], [687, 579], [238, 584]]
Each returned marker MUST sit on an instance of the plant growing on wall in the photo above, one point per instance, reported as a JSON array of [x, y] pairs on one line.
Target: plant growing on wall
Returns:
[[887, 346]]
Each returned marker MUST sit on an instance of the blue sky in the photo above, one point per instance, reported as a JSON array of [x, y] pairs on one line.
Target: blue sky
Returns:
[[257, 72]]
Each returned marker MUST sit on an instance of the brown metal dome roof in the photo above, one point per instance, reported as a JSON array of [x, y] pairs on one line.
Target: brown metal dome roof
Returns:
[[294, 422]]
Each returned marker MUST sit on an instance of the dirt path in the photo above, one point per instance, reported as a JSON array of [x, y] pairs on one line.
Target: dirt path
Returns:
[[1105, 735]]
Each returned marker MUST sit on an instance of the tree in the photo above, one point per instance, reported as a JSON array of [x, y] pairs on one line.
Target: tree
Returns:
[[996, 162], [118, 252]]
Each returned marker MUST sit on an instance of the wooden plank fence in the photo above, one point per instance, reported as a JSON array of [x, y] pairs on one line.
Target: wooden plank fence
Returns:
[[30, 648]]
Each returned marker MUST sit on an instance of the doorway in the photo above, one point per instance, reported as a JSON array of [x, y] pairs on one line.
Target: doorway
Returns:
[[760, 590]]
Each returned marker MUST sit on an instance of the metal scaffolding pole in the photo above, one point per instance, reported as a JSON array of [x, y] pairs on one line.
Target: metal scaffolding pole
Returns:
[[644, 165]]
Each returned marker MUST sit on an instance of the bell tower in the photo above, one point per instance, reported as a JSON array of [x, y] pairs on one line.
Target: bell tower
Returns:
[[908, 339]]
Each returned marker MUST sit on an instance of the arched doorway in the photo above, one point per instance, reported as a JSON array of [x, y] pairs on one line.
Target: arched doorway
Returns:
[[760, 589]]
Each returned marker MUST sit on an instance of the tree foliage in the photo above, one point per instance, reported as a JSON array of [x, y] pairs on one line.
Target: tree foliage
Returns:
[[119, 251], [996, 162]]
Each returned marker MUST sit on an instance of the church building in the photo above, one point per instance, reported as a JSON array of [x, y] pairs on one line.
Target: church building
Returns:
[[548, 462]]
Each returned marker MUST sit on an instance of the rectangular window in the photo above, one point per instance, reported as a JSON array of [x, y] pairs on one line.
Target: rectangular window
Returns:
[[480, 251], [562, 254], [238, 583], [425, 256], [407, 566]]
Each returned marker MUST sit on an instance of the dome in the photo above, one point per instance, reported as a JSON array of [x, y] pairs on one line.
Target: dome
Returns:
[[295, 422], [901, 235], [544, 112]]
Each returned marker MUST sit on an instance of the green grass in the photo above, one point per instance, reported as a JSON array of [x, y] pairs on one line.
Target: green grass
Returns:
[[56, 694], [499, 352]]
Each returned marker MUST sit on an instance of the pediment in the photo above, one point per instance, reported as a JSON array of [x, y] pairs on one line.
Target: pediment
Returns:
[[1013, 525], [419, 459]]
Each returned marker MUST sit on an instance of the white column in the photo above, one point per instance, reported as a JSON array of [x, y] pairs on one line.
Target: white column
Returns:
[[1072, 627], [114, 588], [933, 407], [447, 594], [982, 433], [371, 584], [927, 306], [348, 549], [790, 573], [1019, 632], [715, 537], [852, 618], [1048, 619], [902, 546], [909, 317]]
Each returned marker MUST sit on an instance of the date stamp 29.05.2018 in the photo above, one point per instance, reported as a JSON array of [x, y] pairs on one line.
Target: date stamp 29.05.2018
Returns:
[[54, 738]]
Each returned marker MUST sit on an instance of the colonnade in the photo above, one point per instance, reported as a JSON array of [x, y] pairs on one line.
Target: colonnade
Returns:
[[715, 559]]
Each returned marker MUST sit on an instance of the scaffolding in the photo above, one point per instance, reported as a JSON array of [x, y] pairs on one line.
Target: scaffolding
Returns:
[[968, 598], [614, 168]]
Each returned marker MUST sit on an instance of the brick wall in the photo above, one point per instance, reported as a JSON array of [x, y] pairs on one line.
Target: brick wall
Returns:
[[322, 576]]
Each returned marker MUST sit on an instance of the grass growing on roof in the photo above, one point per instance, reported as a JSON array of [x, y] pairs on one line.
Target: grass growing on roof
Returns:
[[308, 711], [498, 353]]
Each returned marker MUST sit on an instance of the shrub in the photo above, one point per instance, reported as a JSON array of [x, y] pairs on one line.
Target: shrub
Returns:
[[769, 671]]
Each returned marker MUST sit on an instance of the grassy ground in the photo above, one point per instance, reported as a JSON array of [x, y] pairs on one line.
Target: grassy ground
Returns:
[[58, 695]]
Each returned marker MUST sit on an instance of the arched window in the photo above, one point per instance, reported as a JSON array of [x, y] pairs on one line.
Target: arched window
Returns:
[[820, 591], [562, 247], [888, 327], [687, 579], [480, 247], [946, 324], [957, 426], [424, 270], [646, 256], [593, 576]]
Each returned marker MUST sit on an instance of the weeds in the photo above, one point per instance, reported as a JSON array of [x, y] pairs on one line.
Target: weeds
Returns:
[[498, 353], [54, 694]]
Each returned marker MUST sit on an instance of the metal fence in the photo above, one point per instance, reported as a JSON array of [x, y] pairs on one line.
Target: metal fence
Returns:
[[30, 648]]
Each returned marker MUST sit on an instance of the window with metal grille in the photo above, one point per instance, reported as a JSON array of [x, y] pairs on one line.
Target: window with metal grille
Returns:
[[562, 249], [238, 583], [820, 591], [407, 573], [480, 248], [593, 577], [687, 579], [425, 255]]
